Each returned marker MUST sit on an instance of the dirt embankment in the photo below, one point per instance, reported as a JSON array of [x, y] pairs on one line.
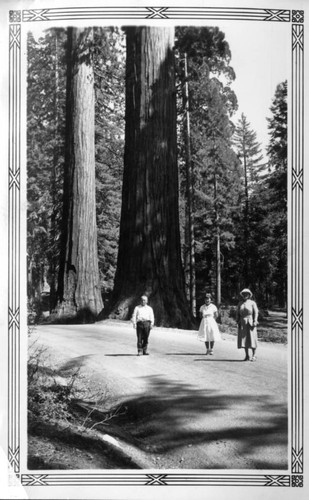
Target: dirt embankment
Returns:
[[67, 430]]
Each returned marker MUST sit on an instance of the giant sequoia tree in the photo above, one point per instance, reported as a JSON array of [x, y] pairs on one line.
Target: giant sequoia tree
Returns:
[[79, 295], [149, 257]]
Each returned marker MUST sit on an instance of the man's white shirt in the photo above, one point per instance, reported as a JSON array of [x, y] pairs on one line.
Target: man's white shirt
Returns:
[[143, 313]]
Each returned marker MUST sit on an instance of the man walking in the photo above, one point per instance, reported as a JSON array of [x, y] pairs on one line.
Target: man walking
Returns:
[[143, 321]]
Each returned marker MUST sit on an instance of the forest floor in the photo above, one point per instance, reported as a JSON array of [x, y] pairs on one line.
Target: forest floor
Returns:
[[80, 419], [272, 326]]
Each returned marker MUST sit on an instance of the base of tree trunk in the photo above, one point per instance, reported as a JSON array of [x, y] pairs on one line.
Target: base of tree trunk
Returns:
[[167, 312], [66, 313]]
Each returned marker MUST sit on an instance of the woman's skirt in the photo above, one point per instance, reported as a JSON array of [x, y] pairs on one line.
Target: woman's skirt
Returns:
[[208, 330], [247, 336]]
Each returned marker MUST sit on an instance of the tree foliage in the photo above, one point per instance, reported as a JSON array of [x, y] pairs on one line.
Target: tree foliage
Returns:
[[215, 165], [249, 152], [264, 250], [45, 156], [271, 201], [109, 69]]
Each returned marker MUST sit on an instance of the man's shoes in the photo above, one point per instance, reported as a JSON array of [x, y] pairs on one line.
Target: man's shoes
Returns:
[[139, 353], [253, 358], [211, 352], [146, 353], [247, 358]]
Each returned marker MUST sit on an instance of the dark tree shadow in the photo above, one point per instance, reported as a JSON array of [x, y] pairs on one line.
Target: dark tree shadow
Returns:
[[214, 360], [160, 420], [73, 363], [119, 355], [110, 457], [183, 354]]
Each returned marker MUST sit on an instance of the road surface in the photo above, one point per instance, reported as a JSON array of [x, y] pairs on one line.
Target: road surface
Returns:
[[188, 410]]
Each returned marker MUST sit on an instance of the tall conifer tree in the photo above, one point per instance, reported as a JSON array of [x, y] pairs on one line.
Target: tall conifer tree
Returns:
[[249, 152], [79, 294]]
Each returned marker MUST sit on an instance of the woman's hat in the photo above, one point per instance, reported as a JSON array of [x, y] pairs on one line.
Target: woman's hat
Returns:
[[246, 291]]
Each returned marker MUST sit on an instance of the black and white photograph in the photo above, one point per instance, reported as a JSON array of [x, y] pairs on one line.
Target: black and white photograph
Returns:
[[154, 279]]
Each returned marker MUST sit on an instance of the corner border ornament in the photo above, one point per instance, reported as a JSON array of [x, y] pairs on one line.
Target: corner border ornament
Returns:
[[297, 16], [297, 481], [15, 16]]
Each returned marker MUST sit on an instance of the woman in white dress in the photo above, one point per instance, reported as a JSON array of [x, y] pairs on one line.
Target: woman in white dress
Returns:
[[208, 331]]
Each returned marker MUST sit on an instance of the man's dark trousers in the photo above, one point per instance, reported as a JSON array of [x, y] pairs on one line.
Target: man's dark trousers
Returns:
[[142, 332]]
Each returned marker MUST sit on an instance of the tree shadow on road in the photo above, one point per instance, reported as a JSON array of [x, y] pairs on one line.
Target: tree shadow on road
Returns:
[[119, 355], [225, 360], [73, 363], [183, 354], [165, 421]]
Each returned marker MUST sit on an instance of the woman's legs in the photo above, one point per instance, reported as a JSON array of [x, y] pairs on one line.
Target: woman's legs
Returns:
[[253, 354], [212, 343], [247, 354], [209, 346]]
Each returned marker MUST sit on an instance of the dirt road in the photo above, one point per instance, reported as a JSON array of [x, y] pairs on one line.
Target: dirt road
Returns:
[[186, 410]]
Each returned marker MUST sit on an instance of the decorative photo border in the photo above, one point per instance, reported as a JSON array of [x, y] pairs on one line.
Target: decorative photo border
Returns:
[[19, 20]]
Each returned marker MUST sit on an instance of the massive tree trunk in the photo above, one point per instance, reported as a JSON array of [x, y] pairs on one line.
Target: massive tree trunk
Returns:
[[149, 258], [79, 294]]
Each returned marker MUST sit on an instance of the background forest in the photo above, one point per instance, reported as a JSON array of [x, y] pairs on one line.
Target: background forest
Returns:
[[183, 202]]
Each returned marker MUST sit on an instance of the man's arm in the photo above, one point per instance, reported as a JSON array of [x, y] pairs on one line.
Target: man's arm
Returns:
[[255, 314], [151, 318], [133, 319]]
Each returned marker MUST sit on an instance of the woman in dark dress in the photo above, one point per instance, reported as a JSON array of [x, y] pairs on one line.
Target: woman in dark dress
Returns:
[[247, 317]]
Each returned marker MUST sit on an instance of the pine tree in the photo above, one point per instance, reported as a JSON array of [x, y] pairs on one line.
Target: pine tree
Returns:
[[271, 207], [217, 190], [277, 148], [249, 152]]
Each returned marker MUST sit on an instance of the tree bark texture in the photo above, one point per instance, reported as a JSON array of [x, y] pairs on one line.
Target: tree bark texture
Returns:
[[79, 294], [149, 258]]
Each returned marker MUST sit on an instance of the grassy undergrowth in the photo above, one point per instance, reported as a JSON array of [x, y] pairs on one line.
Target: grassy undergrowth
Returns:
[[270, 328]]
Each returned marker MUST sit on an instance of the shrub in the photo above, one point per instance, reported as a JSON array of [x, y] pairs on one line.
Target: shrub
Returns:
[[49, 395]]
